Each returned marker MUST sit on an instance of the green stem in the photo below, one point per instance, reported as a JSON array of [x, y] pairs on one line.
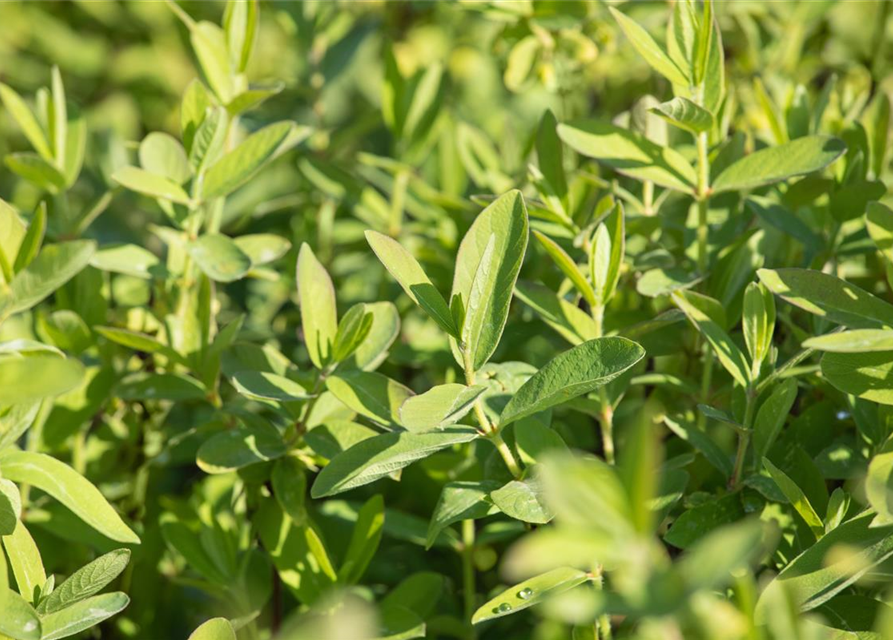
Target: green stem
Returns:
[[35, 435], [487, 427], [648, 198], [706, 378], [506, 454], [743, 438], [598, 316], [401, 182], [606, 414], [603, 623], [468, 589], [703, 197]]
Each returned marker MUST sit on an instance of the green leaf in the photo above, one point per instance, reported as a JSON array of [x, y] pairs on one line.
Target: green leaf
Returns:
[[818, 574], [239, 165], [16, 421], [151, 184], [10, 508], [160, 386], [796, 497], [574, 324], [372, 459], [410, 275], [864, 375], [606, 255], [772, 415], [652, 52], [726, 351], [855, 341], [193, 111], [12, 232], [129, 259], [484, 280], [24, 558], [662, 282], [705, 44], [424, 103], [567, 266], [828, 296], [530, 592], [363, 541], [289, 481], [219, 257], [209, 140], [352, 330], [550, 158], [57, 116], [685, 114], [709, 563], [460, 501], [370, 394], [82, 615], [523, 500], [534, 442], [587, 493], [209, 43], [86, 581], [261, 385], [399, 623], [439, 407], [879, 487], [24, 117], [240, 22], [75, 148], [629, 153], [161, 154], [31, 378], [240, 447], [68, 487], [262, 248], [697, 522], [758, 323], [418, 593], [35, 169], [138, 341], [879, 221], [214, 629], [32, 240], [384, 330], [773, 164], [575, 372], [297, 553], [55, 265], [860, 617], [19, 620], [319, 315], [336, 436]]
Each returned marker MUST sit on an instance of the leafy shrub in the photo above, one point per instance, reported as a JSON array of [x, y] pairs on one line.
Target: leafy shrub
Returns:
[[402, 320]]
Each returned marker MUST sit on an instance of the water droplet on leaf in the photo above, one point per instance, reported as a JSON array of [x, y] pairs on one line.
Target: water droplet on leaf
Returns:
[[505, 607], [524, 594]]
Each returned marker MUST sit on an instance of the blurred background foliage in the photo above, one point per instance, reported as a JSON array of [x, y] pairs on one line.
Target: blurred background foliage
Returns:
[[416, 108]]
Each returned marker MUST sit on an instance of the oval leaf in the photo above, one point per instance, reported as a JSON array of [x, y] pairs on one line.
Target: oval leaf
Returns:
[[529, 593], [773, 164], [68, 487], [371, 459], [579, 370]]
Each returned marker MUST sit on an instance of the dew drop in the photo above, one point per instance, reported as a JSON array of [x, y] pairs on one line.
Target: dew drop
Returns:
[[524, 594], [505, 607]]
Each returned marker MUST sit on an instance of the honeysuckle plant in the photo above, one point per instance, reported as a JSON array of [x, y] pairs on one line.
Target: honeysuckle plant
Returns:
[[385, 321]]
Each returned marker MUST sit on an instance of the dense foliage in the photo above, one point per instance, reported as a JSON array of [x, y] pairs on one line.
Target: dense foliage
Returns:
[[361, 320]]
